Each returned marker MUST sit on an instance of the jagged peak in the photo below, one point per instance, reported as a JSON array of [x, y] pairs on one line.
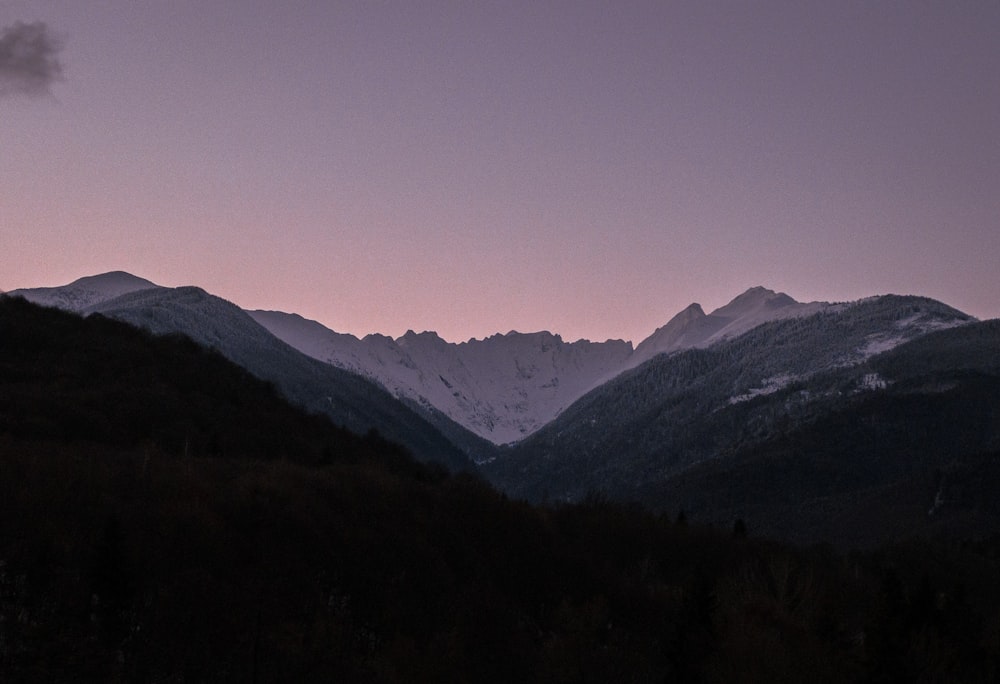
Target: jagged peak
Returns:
[[754, 298], [690, 312], [758, 290], [425, 337], [759, 293], [514, 335], [540, 334]]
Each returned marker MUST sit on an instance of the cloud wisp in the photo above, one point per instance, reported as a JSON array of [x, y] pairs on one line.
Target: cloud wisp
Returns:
[[29, 59]]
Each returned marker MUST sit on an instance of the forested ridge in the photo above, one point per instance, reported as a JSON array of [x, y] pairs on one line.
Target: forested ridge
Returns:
[[165, 516]]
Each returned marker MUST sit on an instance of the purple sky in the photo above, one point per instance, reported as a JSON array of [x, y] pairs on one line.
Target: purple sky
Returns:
[[474, 167]]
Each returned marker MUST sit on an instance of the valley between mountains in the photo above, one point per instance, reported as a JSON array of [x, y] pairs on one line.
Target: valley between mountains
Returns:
[[845, 422]]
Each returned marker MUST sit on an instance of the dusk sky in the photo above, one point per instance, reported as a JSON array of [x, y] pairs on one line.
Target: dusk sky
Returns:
[[588, 168]]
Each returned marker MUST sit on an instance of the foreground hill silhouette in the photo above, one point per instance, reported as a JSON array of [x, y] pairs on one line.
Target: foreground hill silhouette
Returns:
[[166, 517], [74, 380]]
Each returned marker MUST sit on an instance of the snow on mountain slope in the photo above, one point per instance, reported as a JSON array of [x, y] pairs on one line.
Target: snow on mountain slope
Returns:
[[85, 292], [502, 388], [682, 408], [917, 323]]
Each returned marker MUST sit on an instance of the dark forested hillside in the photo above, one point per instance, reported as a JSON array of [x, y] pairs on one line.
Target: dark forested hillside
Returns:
[[887, 466], [777, 427], [915, 455], [67, 379]]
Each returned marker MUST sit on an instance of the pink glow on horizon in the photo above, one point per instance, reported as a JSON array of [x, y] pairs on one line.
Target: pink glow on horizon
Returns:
[[588, 169]]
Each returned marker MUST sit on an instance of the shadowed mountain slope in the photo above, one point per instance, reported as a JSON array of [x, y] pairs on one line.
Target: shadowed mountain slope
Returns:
[[903, 444], [348, 399], [100, 382], [638, 431]]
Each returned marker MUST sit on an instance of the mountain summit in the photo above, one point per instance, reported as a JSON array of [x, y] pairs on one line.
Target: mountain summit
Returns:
[[692, 328], [87, 291]]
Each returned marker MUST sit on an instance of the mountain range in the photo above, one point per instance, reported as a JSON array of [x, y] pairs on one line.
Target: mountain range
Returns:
[[501, 388], [505, 387], [696, 417]]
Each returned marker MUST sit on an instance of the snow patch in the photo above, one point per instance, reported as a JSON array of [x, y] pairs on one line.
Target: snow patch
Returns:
[[873, 381], [909, 328], [770, 386], [878, 344]]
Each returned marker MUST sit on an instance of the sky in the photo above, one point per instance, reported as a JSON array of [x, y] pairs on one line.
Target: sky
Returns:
[[587, 168]]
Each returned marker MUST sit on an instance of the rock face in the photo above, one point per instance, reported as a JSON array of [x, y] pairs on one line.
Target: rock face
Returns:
[[502, 388]]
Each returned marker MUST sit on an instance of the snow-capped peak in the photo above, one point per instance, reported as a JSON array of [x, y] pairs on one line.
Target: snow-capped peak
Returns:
[[693, 328], [686, 329], [753, 301], [86, 292]]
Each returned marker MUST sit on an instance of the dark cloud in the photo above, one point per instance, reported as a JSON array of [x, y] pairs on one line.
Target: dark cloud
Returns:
[[29, 61]]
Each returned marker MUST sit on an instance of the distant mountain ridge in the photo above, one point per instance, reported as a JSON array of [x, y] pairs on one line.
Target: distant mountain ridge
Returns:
[[502, 388], [506, 387]]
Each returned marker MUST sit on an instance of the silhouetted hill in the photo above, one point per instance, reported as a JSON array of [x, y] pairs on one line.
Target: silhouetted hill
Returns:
[[94, 380]]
